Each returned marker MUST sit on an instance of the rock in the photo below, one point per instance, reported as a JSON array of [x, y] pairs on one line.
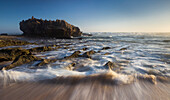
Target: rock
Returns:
[[4, 34], [4, 59], [70, 66], [106, 53], [88, 54], [84, 49], [21, 59], [163, 79], [50, 29], [111, 65], [66, 47], [154, 72], [87, 34], [105, 48], [12, 53], [12, 42], [74, 55], [81, 68], [46, 61], [41, 49], [150, 78], [123, 49]]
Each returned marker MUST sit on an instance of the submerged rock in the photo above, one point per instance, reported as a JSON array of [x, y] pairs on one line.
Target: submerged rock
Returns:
[[46, 61], [74, 55], [105, 48], [163, 79], [50, 29], [81, 68], [12, 53], [107, 53], [154, 72], [21, 59], [84, 49], [41, 49], [88, 54], [20, 56], [4, 59], [150, 78], [111, 65], [12, 42], [70, 66], [123, 49]]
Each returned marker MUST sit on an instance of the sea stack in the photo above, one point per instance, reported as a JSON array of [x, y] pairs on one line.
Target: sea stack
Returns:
[[50, 29]]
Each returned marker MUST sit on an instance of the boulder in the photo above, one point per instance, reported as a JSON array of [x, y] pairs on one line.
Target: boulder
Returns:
[[50, 29]]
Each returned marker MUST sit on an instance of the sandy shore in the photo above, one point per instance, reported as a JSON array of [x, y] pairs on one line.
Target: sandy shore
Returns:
[[86, 91]]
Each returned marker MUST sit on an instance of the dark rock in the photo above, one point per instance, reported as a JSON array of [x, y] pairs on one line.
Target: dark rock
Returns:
[[106, 53], [66, 47], [123, 49], [41, 49], [74, 55], [81, 68], [88, 54], [70, 66], [105, 48], [4, 59], [87, 34], [84, 49], [21, 59], [150, 78], [12, 42], [154, 72], [46, 61], [12, 53], [4, 34], [50, 29], [111, 65], [163, 79]]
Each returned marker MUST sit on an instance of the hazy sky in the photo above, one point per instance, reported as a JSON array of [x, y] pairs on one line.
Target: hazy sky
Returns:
[[90, 15]]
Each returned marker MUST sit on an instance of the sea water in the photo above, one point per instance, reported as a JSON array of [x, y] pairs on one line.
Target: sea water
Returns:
[[134, 53]]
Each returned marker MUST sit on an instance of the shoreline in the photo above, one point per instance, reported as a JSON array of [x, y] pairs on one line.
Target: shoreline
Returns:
[[86, 91]]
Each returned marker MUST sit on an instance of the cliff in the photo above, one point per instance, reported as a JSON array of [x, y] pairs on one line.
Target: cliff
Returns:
[[51, 29]]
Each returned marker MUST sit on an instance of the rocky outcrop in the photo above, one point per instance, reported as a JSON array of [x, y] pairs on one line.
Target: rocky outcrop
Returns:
[[12, 41], [52, 29]]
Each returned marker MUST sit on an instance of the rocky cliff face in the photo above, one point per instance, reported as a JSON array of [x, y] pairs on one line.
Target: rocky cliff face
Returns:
[[53, 29]]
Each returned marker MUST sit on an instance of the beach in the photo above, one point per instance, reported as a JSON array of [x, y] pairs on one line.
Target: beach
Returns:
[[99, 66]]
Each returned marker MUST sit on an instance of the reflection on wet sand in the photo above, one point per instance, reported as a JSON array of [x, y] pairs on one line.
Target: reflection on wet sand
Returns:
[[100, 87]]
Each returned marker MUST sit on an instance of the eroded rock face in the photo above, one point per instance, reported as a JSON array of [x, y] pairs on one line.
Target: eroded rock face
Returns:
[[52, 29]]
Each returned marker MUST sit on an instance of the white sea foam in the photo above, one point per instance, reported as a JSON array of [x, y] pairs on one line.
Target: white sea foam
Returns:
[[144, 51]]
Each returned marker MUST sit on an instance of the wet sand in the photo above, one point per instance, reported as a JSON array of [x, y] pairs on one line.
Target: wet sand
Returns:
[[70, 89]]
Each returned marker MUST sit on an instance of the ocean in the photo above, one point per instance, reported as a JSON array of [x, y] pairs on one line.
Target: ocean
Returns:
[[134, 54]]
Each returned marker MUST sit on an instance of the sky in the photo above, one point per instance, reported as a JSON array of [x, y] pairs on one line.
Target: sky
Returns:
[[90, 15]]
